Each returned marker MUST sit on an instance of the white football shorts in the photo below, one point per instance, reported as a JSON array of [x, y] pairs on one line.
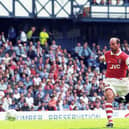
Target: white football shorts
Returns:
[[118, 86]]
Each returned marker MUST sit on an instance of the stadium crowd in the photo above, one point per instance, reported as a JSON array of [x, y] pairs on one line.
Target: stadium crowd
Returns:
[[85, 12], [109, 2], [41, 75]]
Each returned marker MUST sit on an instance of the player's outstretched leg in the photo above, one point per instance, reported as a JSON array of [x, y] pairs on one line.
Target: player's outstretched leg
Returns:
[[120, 99]]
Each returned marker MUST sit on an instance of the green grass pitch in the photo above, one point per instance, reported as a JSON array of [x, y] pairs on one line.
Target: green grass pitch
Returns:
[[64, 124]]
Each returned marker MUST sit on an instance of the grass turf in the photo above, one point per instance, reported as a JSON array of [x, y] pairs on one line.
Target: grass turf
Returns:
[[64, 124]]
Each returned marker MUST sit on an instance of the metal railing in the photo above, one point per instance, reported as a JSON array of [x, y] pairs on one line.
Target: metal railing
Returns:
[[62, 9], [120, 12]]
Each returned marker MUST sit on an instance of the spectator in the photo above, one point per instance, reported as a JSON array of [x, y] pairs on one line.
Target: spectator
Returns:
[[72, 106], [84, 98], [52, 103], [94, 2], [25, 107], [86, 52], [98, 106], [7, 101], [16, 95], [120, 2], [12, 35], [3, 38], [43, 37], [29, 100], [7, 58], [1, 108], [43, 106], [11, 50], [30, 33], [103, 2], [31, 53], [78, 50], [28, 82], [3, 86], [1, 42], [23, 36], [36, 80], [54, 45], [39, 50], [82, 105], [65, 105], [37, 101], [13, 105]]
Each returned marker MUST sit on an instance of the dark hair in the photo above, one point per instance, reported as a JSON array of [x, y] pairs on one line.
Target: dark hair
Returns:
[[52, 96], [118, 40]]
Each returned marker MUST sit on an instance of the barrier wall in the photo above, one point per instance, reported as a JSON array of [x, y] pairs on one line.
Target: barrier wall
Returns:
[[63, 115]]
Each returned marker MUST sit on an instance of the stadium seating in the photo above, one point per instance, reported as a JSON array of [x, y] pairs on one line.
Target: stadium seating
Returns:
[[37, 77]]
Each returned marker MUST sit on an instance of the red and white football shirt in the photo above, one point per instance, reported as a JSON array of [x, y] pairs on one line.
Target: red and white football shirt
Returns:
[[116, 64]]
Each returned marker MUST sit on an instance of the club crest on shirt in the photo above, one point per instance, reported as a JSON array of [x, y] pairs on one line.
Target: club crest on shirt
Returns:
[[119, 61]]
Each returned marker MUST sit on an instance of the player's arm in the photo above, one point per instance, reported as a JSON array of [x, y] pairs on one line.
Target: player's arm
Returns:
[[127, 62], [102, 58]]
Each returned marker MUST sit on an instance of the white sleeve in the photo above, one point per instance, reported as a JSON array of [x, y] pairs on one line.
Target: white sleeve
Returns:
[[127, 62]]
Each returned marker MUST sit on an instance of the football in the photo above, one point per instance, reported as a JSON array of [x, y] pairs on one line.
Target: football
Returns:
[[11, 115]]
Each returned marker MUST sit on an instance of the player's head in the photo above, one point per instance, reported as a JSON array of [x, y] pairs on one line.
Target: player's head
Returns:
[[114, 44]]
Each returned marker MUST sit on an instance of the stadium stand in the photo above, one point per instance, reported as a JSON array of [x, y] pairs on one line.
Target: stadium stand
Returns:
[[37, 77], [52, 64]]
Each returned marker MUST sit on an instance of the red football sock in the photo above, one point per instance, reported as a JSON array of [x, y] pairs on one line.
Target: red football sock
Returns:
[[109, 111]]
